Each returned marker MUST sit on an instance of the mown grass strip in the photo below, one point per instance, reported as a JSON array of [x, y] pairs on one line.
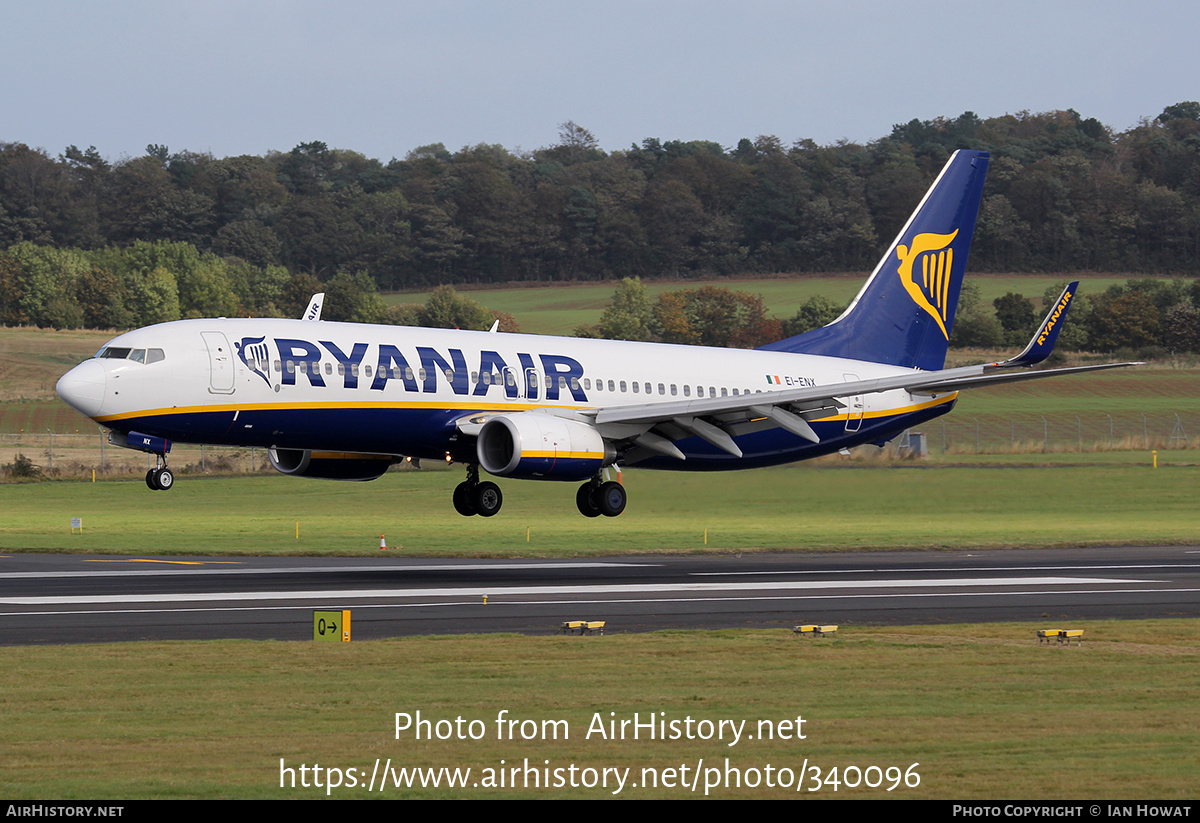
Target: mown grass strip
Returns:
[[985, 711], [831, 506]]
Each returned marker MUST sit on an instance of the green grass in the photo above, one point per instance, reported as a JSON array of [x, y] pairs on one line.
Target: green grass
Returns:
[[985, 711], [835, 504]]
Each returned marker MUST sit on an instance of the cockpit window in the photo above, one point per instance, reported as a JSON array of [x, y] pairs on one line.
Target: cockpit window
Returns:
[[136, 355]]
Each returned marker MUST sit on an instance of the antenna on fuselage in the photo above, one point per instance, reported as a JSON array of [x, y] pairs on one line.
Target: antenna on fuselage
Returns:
[[313, 312]]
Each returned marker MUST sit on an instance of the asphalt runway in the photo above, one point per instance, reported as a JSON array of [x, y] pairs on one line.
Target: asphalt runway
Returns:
[[89, 598]]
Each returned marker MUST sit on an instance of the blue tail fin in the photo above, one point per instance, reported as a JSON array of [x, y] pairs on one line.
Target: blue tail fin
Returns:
[[904, 313]]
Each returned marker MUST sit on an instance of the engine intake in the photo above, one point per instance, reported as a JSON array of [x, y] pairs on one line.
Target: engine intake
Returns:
[[538, 446]]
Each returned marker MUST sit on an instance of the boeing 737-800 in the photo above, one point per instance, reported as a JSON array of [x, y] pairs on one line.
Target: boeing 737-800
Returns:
[[345, 401]]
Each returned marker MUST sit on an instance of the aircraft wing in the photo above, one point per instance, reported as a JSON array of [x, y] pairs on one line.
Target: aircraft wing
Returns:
[[656, 425]]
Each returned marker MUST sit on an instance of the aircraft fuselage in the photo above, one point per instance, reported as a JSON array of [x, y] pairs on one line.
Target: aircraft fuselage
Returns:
[[405, 391]]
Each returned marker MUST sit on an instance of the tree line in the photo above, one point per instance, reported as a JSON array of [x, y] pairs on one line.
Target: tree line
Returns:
[[1143, 317], [85, 241]]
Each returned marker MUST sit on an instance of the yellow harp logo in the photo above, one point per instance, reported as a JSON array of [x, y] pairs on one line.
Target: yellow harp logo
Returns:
[[932, 292]]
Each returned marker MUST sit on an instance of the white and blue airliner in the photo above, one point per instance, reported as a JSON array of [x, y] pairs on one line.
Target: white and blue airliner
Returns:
[[345, 401]]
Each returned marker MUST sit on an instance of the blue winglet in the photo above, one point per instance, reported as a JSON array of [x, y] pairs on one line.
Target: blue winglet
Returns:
[[1042, 344]]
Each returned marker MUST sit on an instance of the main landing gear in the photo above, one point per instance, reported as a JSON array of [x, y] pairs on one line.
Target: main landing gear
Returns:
[[161, 478], [472, 497], [596, 498]]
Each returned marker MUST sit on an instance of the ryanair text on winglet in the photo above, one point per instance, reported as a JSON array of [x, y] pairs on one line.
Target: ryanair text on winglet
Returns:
[[1057, 313]]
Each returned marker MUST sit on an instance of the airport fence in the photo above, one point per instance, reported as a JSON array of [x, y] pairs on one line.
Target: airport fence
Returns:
[[1032, 432], [79, 455]]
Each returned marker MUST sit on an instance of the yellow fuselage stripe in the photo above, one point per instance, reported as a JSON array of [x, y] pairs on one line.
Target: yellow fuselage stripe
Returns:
[[459, 406]]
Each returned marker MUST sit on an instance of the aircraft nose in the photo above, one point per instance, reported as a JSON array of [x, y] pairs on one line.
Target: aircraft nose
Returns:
[[82, 388]]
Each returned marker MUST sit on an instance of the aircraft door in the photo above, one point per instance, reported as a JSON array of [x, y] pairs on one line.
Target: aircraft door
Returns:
[[855, 406], [532, 384], [508, 379], [220, 362]]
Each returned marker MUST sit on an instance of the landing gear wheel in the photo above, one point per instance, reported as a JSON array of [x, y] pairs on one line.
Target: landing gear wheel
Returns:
[[165, 479], [488, 499], [586, 501], [464, 500], [152, 480], [611, 498]]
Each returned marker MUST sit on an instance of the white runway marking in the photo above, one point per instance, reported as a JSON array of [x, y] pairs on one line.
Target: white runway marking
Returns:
[[581, 602], [537, 591]]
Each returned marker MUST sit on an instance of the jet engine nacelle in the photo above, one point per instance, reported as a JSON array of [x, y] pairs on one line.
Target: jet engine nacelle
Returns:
[[537, 446], [329, 465]]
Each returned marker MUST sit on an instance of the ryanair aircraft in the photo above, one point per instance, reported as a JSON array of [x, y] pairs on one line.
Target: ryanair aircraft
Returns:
[[344, 401]]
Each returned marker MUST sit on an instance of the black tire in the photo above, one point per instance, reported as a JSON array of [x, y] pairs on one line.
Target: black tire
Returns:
[[165, 479], [586, 501], [488, 499], [464, 502], [611, 498], [151, 480]]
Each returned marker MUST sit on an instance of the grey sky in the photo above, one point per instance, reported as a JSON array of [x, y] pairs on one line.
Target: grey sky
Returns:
[[382, 78]]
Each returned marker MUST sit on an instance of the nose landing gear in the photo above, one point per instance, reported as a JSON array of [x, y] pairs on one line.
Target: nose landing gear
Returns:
[[161, 478]]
